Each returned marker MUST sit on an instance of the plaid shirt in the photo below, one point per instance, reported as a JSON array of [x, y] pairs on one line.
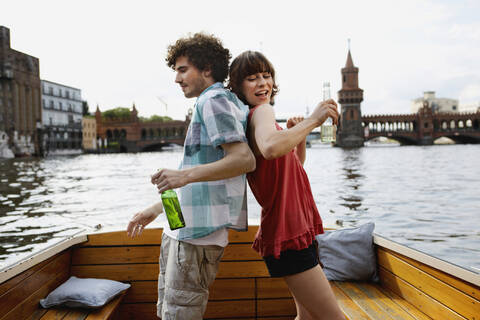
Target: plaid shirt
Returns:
[[219, 117]]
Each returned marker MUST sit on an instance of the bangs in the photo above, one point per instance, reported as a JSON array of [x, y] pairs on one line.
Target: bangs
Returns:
[[254, 62]]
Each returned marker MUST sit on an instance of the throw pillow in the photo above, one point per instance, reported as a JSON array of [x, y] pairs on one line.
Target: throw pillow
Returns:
[[84, 293], [348, 254]]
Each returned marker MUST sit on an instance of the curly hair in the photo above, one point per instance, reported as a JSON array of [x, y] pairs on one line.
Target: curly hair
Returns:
[[204, 51], [246, 64]]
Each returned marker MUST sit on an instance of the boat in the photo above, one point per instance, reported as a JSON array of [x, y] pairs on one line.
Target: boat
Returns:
[[413, 285]]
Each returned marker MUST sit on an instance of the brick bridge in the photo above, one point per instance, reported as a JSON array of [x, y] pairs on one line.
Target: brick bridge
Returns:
[[133, 135], [424, 127]]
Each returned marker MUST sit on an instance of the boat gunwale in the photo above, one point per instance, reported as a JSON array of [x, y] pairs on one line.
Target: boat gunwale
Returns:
[[449, 268], [444, 266]]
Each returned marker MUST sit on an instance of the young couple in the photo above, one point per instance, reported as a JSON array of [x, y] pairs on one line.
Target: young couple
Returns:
[[219, 150]]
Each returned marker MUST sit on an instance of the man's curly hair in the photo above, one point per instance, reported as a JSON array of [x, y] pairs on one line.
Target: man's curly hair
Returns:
[[204, 51]]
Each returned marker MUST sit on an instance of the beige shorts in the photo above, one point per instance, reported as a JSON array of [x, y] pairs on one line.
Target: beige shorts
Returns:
[[186, 272]]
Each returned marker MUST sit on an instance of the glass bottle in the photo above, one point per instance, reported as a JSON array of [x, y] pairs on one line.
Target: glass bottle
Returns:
[[172, 209]]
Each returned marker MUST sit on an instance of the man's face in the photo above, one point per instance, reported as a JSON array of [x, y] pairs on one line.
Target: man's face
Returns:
[[191, 80]]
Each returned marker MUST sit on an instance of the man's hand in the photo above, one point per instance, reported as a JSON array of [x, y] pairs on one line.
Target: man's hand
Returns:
[[292, 122], [166, 179], [324, 110], [141, 219]]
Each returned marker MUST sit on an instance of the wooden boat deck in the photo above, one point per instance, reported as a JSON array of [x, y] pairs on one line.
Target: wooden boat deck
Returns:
[[413, 286]]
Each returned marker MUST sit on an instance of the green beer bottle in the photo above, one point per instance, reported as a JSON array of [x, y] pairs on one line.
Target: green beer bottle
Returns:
[[171, 205]]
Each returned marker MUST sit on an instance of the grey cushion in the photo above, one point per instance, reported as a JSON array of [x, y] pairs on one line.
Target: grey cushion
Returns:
[[84, 293], [348, 254]]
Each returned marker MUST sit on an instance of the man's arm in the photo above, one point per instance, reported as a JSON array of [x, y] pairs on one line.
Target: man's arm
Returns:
[[238, 160]]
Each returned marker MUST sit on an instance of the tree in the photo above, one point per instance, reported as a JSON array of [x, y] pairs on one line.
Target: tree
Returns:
[[117, 113], [156, 118], [85, 111]]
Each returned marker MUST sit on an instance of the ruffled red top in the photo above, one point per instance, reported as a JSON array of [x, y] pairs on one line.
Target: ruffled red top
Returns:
[[290, 219]]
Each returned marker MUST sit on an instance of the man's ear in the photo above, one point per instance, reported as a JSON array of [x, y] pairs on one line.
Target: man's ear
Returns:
[[207, 72]]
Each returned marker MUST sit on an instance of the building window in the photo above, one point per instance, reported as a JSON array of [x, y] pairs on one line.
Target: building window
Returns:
[[43, 103], [59, 92], [50, 91], [68, 94], [60, 105], [454, 107], [52, 104]]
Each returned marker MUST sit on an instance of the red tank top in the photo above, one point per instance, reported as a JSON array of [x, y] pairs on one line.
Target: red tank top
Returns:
[[290, 219]]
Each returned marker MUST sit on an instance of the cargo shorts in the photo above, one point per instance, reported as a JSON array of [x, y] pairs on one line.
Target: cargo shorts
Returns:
[[186, 272]]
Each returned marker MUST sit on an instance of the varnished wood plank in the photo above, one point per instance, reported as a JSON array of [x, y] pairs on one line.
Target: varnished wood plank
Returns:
[[242, 237], [153, 236], [361, 299], [456, 300], [349, 308], [142, 291], [148, 254], [37, 314], [276, 307], [420, 300], [407, 306], [272, 288], [76, 314], [107, 311], [119, 238], [116, 255], [28, 286], [467, 288], [240, 251], [124, 272], [30, 303], [242, 269], [231, 289], [7, 285], [54, 314], [230, 309], [383, 301], [137, 311]]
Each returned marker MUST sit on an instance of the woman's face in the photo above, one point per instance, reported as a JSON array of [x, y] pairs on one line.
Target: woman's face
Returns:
[[257, 88]]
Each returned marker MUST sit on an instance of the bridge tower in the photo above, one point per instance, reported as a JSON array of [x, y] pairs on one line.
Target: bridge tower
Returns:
[[350, 131]]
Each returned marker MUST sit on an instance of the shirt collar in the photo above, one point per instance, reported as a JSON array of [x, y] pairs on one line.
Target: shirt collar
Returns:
[[213, 86]]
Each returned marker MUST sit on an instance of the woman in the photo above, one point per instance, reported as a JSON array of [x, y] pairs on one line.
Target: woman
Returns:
[[290, 220]]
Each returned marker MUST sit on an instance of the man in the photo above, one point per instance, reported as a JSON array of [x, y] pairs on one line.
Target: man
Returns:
[[211, 179]]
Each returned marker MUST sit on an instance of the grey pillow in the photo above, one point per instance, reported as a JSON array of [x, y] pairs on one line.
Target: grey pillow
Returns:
[[348, 254], [84, 293]]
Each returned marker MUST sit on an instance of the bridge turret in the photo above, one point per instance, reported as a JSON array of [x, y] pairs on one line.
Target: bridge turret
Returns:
[[350, 132]]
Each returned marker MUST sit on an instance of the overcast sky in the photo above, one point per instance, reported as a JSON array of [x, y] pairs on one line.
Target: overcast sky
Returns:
[[114, 51]]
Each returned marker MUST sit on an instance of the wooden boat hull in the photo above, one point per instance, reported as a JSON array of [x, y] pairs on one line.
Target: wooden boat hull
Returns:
[[413, 285]]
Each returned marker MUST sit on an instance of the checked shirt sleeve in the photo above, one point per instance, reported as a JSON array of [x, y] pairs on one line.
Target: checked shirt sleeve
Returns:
[[224, 121]]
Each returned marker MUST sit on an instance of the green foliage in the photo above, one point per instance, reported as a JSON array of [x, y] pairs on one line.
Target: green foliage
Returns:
[[117, 113], [85, 111], [155, 118]]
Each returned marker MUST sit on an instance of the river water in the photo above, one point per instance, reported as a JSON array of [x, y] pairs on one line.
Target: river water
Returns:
[[425, 197]]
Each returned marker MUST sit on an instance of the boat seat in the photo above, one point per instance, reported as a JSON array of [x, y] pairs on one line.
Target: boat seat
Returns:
[[106, 312], [366, 300]]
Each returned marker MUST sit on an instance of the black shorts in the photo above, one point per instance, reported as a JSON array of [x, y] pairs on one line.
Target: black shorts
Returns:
[[292, 261]]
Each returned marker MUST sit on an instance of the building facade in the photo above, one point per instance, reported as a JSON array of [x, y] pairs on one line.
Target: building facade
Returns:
[[20, 98], [443, 105], [62, 118], [89, 133], [350, 130]]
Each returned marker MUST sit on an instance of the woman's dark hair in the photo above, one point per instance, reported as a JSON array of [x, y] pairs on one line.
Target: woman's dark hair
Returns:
[[246, 64], [204, 51]]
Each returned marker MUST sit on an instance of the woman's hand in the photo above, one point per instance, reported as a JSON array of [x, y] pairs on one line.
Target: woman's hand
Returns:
[[141, 219], [324, 110], [292, 122]]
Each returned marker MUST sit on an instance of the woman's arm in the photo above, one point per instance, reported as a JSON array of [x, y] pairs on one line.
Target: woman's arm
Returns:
[[301, 148], [273, 143]]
